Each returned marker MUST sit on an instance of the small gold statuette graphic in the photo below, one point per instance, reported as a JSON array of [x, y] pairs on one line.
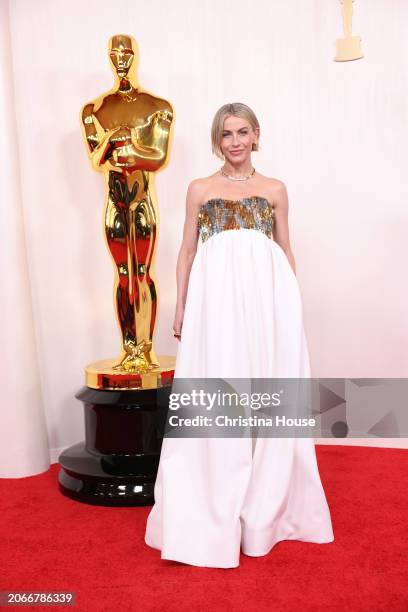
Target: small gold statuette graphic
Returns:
[[127, 132], [349, 47]]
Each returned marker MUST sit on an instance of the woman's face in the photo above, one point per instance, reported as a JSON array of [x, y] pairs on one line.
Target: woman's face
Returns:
[[237, 139]]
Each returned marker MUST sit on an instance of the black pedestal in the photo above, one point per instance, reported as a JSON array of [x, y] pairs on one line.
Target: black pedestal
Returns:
[[117, 464]]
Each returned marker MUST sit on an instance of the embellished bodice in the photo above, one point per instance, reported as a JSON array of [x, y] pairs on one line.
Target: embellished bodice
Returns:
[[219, 214]]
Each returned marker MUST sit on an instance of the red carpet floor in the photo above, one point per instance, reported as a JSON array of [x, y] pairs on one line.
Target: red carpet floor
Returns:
[[49, 542]]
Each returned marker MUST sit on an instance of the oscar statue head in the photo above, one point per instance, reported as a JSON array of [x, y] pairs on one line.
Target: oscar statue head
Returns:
[[124, 56]]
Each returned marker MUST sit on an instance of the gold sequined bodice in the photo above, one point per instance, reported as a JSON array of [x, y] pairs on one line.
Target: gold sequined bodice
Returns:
[[219, 214]]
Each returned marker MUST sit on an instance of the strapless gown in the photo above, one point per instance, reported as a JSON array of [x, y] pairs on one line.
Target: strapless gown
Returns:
[[243, 318]]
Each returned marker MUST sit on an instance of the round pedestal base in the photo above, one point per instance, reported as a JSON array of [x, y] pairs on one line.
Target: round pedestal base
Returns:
[[117, 464], [83, 478]]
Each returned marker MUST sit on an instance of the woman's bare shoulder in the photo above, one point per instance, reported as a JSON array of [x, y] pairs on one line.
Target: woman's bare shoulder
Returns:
[[274, 188], [271, 182], [199, 187], [204, 181]]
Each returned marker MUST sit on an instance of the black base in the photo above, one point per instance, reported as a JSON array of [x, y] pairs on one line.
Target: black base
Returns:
[[117, 464], [83, 478]]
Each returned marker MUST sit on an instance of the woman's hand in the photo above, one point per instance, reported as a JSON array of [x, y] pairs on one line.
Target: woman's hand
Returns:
[[178, 323]]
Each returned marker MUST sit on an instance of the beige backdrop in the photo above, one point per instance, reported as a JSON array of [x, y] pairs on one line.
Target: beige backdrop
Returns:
[[335, 133]]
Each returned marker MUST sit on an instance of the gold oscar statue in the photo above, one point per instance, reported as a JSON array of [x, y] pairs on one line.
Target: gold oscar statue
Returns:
[[127, 132], [349, 47]]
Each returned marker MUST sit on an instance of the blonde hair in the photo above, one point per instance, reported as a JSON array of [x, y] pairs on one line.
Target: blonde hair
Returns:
[[236, 109]]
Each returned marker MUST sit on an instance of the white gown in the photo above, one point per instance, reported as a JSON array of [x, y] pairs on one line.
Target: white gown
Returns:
[[243, 318]]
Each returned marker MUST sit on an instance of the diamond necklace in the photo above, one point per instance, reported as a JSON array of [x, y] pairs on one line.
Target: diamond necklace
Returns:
[[234, 178]]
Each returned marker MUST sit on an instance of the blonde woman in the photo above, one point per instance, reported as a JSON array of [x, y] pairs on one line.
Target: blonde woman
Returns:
[[238, 315]]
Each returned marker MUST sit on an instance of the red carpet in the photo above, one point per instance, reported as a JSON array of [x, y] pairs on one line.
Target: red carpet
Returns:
[[50, 542]]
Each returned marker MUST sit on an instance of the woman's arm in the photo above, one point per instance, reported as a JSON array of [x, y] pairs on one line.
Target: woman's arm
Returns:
[[187, 251], [281, 226]]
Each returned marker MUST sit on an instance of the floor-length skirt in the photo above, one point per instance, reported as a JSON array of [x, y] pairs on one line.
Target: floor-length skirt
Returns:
[[217, 496]]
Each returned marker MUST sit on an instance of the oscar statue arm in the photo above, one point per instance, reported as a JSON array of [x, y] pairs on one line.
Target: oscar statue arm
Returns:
[[151, 139], [97, 139]]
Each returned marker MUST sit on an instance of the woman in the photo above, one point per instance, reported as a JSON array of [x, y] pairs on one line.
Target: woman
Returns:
[[239, 315]]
